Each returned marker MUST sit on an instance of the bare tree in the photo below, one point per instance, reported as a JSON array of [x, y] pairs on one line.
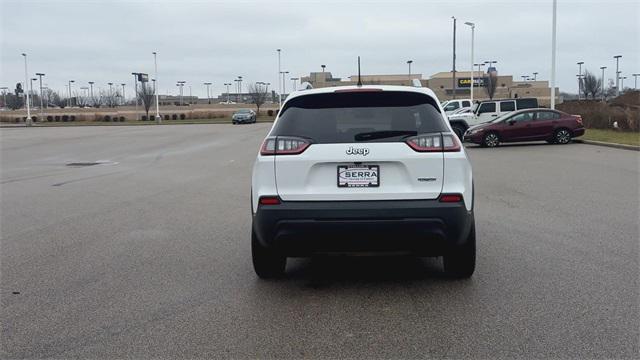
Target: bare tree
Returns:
[[146, 95], [591, 84], [81, 100], [491, 83], [109, 98], [258, 95]]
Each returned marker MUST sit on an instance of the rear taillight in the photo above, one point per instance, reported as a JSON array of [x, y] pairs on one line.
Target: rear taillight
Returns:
[[578, 119], [283, 145], [434, 143], [450, 198], [269, 200]]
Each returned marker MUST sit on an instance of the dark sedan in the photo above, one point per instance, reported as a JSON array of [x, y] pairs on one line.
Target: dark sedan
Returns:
[[243, 116], [527, 125]]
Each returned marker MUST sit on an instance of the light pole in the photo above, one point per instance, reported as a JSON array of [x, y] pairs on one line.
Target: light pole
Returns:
[[69, 101], [473, 35], [617, 57], [323, 66], [156, 86], [535, 76], [409, 62], [279, 83], [123, 97], [237, 81], [635, 81], [180, 84], [240, 88], [227, 85], [453, 79], [26, 76], [284, 86], [553, 56], [524, 77], [135, 86], [40, 75], [294, 83], [31, 86], [622, 78], [208, 96], [579, 78], [602, 84]]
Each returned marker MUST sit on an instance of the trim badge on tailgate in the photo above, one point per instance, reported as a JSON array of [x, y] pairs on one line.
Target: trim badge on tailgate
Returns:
[[357, 151]]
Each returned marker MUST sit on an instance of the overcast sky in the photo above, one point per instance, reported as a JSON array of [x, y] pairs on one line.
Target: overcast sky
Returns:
[[198, 41]]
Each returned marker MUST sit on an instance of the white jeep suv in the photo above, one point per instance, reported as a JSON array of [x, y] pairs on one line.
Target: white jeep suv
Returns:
[[362, 169]]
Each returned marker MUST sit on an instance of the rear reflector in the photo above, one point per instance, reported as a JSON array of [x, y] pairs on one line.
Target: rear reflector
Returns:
[[269, 200], [434, 143], [450, 198], [283, 145]]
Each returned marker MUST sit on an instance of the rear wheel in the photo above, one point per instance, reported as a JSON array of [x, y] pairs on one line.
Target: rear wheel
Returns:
[[460, 262], [266, 262], [459, 132], [562, 136], [491, 140]]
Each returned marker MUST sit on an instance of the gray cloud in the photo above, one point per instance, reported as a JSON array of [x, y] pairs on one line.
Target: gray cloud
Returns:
[[104, 41]]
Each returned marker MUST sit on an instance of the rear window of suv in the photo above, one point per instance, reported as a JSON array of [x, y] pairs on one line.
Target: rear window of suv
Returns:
[[346, 117]]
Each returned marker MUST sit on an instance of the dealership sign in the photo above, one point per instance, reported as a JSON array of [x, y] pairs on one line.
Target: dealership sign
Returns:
[[466, 82]]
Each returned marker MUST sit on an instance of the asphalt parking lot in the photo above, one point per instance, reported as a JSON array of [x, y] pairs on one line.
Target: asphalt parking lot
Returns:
[[147, 254]]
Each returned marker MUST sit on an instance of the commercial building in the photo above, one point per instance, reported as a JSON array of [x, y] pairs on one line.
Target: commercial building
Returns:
[[444, 87]]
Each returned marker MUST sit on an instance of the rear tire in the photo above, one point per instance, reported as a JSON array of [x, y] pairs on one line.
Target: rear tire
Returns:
[[562, 136], [460, 262], [490, 139], [459, 132], [267, 263]]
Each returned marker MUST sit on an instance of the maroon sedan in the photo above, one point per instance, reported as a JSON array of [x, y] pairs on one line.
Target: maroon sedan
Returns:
[[527, 125]]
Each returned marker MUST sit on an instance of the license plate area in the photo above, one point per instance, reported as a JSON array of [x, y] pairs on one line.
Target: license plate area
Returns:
[[350, 176]]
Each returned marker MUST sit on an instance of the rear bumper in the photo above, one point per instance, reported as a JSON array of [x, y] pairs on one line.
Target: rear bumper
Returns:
[[421, 227], [578, 132]]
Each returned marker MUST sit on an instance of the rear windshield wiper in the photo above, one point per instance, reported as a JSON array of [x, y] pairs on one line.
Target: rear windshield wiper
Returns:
[[373, 135]]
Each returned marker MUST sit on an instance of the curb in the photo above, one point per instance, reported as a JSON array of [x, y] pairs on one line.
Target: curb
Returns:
[[607, 144]]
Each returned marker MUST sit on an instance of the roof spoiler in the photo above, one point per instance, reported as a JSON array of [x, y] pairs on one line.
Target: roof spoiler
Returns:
[[416, 83]]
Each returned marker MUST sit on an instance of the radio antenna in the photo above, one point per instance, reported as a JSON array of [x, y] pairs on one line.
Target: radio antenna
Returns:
[[359, 79]]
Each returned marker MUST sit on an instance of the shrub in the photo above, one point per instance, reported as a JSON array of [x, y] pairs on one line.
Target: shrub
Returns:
[[121, 118], [167, 117], [57, 118], [18, 119], [270, 112], [107, 118], [183, 116], [65, 118], [174, 117], [34, 118], [49, 118], [144, 118], [72, 118]]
